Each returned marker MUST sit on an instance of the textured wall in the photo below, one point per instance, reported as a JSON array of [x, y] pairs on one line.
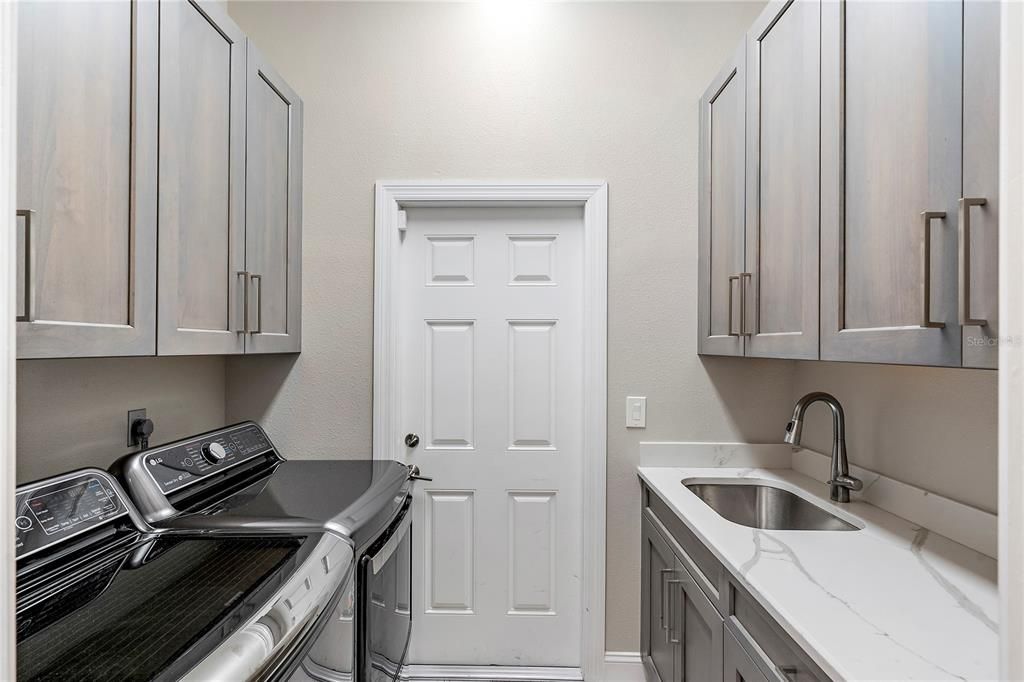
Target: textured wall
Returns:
[[604, 90], [578, 90], [73, 413], [930, 427]]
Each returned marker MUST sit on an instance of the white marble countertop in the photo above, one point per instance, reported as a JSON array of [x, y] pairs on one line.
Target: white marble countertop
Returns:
[[892, 601]]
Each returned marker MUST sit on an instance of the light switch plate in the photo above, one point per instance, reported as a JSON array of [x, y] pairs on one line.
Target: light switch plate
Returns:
[[636, 412]]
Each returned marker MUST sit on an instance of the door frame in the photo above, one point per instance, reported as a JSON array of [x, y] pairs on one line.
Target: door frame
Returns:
[[392, 197]]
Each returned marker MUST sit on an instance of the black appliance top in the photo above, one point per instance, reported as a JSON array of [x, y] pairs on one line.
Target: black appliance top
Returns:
[[150, 609], [102, 596], [235, 478]]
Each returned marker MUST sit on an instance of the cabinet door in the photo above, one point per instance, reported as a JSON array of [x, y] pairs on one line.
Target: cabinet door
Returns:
[[657, 567], [273, 210], [979, 222], [721, 277], [202, 176], [698, 629], [890, 181], [783, 114], [87, 96], [739, 667]]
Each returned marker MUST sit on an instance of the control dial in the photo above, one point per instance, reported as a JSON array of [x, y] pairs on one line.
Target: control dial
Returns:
[[213, 452]]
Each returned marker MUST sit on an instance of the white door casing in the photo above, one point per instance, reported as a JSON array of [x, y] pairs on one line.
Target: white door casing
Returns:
[[490, 345]]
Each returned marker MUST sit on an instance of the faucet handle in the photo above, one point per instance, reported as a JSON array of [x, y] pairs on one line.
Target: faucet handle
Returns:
[[848, 482]]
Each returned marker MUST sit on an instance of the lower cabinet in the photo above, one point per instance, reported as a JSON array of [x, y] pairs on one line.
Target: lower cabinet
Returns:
[[739, 667], [682, 631], [696, 629]]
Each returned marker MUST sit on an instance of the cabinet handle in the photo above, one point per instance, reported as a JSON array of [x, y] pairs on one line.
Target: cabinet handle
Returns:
[[669, 634], [928, 216], [744, 276], [30, 279], [733, 278], [965, 261], [661, 607], [244, 274], [259, 303]]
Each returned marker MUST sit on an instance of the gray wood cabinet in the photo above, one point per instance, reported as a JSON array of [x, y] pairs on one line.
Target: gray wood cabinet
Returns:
[[783, 83], [739, 666], [721, 220], [202, 181], [697, 622], [890, 181], [871, 208], [273, 216], [87, 145], [979, 206], [698, 628], [682, 631], [134, 115], [658, 565]]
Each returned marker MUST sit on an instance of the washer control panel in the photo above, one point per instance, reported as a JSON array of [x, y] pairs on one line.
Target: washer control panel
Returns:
[[59, 508], [181, 464]]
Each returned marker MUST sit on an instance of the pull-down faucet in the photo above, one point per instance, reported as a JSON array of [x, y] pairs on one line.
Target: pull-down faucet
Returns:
[[840, 482]]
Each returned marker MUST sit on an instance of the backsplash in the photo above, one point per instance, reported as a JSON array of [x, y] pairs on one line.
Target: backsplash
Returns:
[[934, 428], [73, 413]]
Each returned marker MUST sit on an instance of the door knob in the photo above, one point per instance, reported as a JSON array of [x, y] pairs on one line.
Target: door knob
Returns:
[[411, 440]]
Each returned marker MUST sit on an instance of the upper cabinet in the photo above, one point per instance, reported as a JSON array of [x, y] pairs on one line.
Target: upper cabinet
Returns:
[[890, 178], [979, 207], [202, 181], [87, 155], [783, 76], [133, 142], [722, 146], [273, 213], [871, 226]]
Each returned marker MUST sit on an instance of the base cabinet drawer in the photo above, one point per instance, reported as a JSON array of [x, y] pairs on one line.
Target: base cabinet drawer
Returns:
[[752, 625], [739, 667]]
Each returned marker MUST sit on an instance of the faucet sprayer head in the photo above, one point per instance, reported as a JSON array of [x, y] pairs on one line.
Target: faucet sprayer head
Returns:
[[794, 430]]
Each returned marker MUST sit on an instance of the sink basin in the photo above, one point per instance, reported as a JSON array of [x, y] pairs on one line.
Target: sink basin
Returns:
[[766, 507]]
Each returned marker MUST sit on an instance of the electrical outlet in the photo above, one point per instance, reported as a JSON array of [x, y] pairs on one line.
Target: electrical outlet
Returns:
[[132, 416]]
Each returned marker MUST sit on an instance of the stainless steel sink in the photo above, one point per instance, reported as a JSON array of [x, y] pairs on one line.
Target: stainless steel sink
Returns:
[[765, 506]]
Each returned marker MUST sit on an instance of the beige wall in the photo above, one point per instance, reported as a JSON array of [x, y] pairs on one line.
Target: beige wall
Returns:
[[933, 428], [590, 90], [440, 91], [73, 413]]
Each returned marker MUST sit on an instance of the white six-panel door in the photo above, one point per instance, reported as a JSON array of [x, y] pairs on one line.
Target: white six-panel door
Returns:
[[490, 331]]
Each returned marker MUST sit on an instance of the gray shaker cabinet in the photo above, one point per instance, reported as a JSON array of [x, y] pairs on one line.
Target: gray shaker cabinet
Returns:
[[890, 181], [658, 566], [871, 170], [273, 216], [681, 631], [979, 206], [721, 221], [696, 629], [739, 667], [783, 114], [86, 170], [202, 180], [149, 220]]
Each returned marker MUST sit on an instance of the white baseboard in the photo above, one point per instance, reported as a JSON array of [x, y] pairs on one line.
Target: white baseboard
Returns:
[[623, 666], [490, 673], [619, 666]]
